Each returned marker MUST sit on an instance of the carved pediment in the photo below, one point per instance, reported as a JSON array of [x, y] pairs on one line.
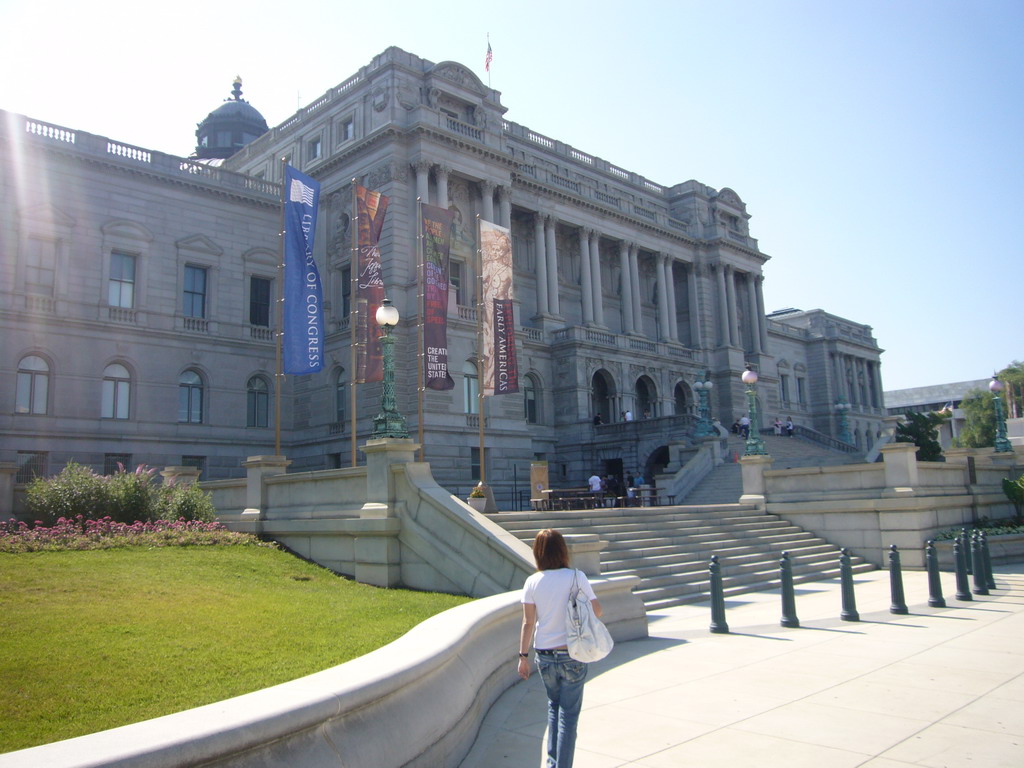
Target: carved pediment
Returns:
[[458, 74], [199, 244]]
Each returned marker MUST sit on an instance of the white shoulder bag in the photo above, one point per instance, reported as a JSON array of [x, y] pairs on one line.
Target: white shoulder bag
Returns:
[[586, 637]]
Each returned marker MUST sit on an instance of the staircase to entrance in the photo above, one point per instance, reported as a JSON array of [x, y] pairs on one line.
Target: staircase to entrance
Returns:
[[669, 547]]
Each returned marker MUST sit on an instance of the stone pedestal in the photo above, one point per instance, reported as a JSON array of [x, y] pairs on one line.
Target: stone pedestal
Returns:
[[585, 552], [900, 460], [380, 485], [8, 471], [256, 469], [752, 469], [180, 475]]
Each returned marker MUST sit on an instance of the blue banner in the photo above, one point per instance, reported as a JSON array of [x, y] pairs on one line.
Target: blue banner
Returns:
[[303, 343]]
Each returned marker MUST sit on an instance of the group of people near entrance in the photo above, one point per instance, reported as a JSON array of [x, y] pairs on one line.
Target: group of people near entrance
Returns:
[[610, 485], [742, 427]]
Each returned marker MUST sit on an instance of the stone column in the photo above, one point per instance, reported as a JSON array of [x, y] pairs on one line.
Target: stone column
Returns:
[[730, 293], [505, 206], [634, 282], [586, 287], [663, 325], [422, 180], [441, 172], [376, 549], [542, 264], [551, 248], [900, 460], [755, 325], [723, 307], [595, 277], [752, 469], [762, 320], [691, 300], [626, 297], [673, 310], [487, 201]]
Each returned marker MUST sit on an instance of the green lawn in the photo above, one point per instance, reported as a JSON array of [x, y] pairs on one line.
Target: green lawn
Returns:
[[93, 640]]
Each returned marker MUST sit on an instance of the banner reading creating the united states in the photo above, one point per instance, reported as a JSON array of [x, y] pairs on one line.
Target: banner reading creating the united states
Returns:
[[302, 343], [371, 208], [437, 239], [501, 372]]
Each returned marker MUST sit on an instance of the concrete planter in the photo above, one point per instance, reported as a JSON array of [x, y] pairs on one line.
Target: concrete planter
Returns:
[[477, 503]]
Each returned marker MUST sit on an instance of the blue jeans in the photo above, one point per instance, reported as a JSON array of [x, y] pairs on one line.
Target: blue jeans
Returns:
[[563, 678]]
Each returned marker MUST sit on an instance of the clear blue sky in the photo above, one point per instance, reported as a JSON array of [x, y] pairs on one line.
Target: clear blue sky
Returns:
[[877, 144]]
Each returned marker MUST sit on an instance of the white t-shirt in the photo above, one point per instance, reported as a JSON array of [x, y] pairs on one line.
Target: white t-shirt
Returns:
[[595, 483], [549, 591]]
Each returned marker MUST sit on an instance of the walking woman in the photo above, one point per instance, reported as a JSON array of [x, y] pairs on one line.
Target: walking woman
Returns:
[[545, 596]]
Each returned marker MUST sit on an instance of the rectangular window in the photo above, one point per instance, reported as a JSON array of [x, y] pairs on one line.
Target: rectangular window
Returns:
[[801, 396], [259, 301], [115, 462], [455, 280], [346, 291], [31, 464], [474, 464], [347, 130], [121, 288], [199, 462], [784, 388], [40, 266], [314, 148], [116, 397], [194, 297]]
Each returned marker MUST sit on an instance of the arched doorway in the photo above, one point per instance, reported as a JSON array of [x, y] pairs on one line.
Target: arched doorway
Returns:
[[646, 398], [683, 399], [602, 396]]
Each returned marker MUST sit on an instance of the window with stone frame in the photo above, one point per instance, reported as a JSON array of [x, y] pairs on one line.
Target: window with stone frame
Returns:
[[260, 289], [116, 392], [121, 284], [194, 291], [31, 464], [32, 389], [257, 393]]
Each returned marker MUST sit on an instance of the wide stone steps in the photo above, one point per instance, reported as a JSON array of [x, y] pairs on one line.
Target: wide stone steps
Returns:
[[669, 548]]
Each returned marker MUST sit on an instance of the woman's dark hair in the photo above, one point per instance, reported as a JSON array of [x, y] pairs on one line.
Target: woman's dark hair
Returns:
[[549, 550]]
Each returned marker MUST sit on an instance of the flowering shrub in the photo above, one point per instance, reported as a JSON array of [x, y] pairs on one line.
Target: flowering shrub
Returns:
[[123, 497], [81, 533]]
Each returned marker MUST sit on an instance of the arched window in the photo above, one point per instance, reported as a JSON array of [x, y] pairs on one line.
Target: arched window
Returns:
[[470, 387], [116, 395], [258, 402], [33, 385], [340, 396], [645, 398], [531, 405], [682, 399], [190, 398], [602, 396]]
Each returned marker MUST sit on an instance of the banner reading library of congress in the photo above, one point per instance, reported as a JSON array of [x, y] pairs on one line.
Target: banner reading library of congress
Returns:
[[371, 208], [303, 331], [501, 372], [437, 240]]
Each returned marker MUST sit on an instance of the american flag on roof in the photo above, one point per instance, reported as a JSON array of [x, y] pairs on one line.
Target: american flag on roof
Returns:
[[489, 57]]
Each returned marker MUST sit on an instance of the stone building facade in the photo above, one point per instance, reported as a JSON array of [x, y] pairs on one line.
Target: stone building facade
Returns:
[[138, 322]]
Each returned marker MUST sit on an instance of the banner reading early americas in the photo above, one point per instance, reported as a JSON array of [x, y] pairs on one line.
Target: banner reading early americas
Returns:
[[371, 208], [437, 238], [303, 320], [501, 371]]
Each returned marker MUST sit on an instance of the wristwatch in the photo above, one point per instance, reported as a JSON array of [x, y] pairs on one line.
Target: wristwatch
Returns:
[[524, 655]]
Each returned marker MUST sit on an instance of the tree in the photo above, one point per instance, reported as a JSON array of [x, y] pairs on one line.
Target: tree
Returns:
[[919, 429], [979, 430], [1013, 377]]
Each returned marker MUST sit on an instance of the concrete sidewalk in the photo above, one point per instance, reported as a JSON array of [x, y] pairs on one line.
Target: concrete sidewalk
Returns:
[[938, 687]]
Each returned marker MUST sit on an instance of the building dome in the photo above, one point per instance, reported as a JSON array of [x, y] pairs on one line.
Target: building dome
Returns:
[[229, 127]]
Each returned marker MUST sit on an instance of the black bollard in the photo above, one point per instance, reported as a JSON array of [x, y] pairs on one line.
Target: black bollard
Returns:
[[718, 623], [846, 579], [789, 618], [965, 545], [931, 561], [977, 567], [990, 577], [963, 592], [899, 604]]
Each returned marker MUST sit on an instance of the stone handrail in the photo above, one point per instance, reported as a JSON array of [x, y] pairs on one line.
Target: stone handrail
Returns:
[[829, 442], [379, 710]]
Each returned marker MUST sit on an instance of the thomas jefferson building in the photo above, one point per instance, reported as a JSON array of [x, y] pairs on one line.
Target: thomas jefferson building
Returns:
[[137, 302]]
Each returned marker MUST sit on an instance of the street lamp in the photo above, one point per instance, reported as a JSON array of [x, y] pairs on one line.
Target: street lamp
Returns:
[[389, 422], [1002, 444], [703, 427], [843, 409], [754, 445]]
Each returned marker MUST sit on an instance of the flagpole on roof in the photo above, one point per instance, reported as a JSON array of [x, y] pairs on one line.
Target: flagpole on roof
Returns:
[[279, 374], [488, 59]]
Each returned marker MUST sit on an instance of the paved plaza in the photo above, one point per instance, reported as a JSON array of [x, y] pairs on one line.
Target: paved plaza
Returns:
[[940, 687]]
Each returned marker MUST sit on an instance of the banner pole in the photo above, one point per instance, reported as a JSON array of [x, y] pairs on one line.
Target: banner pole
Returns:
[[279, 374], [353, 315], [481, 307], [421, 308]]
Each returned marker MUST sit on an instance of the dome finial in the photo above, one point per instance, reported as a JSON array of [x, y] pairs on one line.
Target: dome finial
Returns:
[[237, 90]]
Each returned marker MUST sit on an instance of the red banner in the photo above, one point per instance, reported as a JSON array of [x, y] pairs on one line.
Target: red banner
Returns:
[[437, 238], [371, 208]]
